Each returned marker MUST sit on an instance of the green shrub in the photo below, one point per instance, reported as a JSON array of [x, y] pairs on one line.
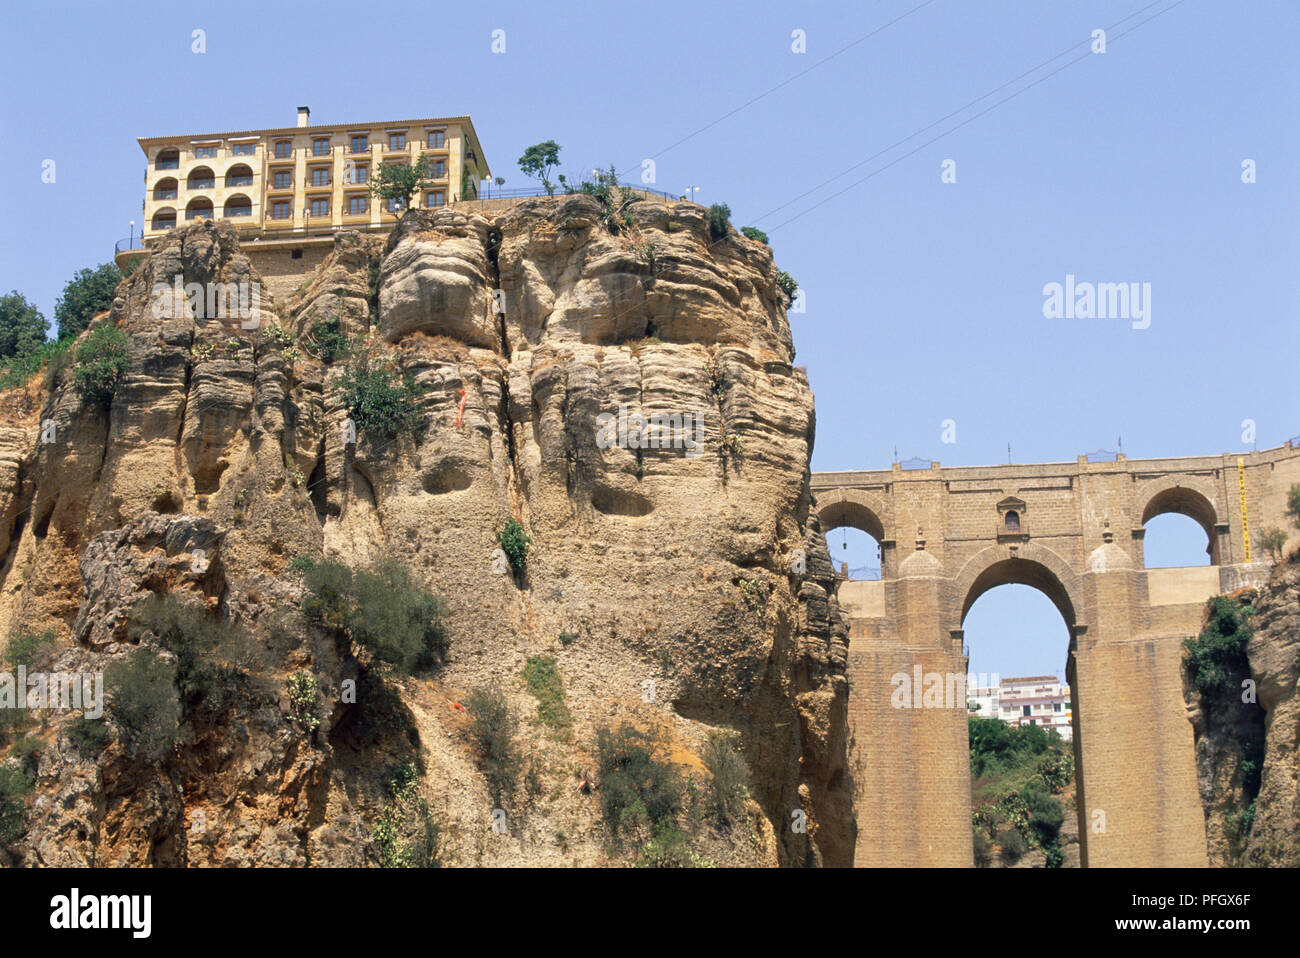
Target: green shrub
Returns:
[[547, 687], [983, 849], [328, 342], [1011, 847], [719, 220], [304, 700], [207, 652], [729, 782], [1056, 769], [638, 785], [142, 689], [1045, 815], [381, 609], [381, 400], [514, 543], [406, 835], [89, 736], [302, 563], [492, 731], [786, 283], [14, 786], [567, 638], [670, 848], [101, 363], [16, 371], [1215, 660], [755, 234], [35, 650]]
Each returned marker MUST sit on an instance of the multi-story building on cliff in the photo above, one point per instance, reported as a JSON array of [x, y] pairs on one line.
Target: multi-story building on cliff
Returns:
[[289, 189], [1042, 700]]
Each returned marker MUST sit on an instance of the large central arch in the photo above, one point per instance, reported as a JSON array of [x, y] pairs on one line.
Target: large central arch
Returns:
[[1031, 565]]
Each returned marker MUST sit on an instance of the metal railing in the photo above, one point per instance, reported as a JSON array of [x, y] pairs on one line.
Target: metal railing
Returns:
[[503, 194], [128, 243]]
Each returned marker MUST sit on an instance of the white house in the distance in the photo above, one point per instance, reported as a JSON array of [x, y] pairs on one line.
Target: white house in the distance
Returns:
[[1042, 700]]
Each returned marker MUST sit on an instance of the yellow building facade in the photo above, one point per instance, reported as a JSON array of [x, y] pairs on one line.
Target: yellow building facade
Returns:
[[295, 182]]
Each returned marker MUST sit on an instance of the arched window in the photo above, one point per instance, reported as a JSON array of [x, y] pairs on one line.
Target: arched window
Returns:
[[169, 159], [165, 189], [164, 220], [238, 205], [1012, 521], [239, 175], [199, 208], [201, 178]]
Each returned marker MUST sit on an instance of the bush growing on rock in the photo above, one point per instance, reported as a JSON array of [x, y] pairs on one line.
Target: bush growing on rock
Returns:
[[492, 729], [719, 220], [729, 783], [87, 293], [638, 785], [142, 688], [1011, 847], [101, 363], [381, 400], [1215, 660], [382, 609], [514, 543]]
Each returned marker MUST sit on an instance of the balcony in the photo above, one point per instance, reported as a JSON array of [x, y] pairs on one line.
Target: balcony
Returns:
[[204, 184]]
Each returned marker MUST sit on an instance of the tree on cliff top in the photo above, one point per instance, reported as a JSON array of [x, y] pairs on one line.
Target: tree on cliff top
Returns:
[[87, 293], [538, 161], [401, 181], [22, 327]]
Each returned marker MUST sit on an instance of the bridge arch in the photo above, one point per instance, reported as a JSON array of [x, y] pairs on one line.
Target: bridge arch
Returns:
[[1032, 565], [1183, 495], [853, 508]]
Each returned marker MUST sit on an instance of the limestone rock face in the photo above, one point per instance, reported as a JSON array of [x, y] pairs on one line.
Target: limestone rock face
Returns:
[[1274, 653], [629, 397]]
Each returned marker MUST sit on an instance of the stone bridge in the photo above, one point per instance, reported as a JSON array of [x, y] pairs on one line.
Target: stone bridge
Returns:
[[1073, 530]]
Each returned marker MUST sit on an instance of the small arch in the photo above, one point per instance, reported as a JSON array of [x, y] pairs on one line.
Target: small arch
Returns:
[[165, 189], [1011, 522], [1183, 498], [851, 507], [164, 219], [199, 208], [168, 159], [201, 178], [241, 174], [237, 205]]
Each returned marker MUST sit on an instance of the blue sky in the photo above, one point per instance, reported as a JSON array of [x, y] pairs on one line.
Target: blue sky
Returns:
[[924, 299]]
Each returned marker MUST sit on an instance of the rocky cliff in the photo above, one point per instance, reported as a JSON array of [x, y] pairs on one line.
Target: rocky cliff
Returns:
[[675, 587], [1247, 724]]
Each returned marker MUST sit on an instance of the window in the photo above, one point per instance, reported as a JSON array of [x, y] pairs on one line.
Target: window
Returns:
[[201, 179], [203, 152], [396, 141], [243, 149], [439, 170], [361, 174], [357, 204], [281, 210], [1013, 522], [283, 149], [360, 143], [320, 147], [320, 207], [320, 176], [164, 221], [165, 189], [435, 199], [238, 206], [1025, 711], [437, 139], [239, 175], [168, 160], [395, 204], [282, 180], [1056, 706]]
